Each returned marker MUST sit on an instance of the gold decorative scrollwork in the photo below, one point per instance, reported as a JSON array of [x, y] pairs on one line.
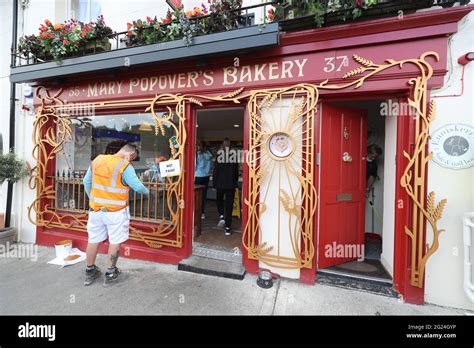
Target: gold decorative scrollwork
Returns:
[[53, 128], [281, 154], [413, 179]]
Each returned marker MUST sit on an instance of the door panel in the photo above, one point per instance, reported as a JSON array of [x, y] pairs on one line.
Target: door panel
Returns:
[[343, 167]]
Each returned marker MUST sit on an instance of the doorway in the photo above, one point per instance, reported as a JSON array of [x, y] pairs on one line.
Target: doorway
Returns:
[[210, 239], [357, 162]]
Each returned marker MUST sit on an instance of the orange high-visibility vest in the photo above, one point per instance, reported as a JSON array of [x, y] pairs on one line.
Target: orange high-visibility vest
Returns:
[[107, 190]]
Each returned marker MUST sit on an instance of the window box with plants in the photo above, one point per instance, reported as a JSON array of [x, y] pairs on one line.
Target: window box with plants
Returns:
[[219, 29], [300, 14], [220, 16], [12, 170], [64, 40]]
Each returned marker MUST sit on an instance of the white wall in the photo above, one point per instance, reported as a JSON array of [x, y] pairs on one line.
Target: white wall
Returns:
[[5, 42], [444, 270], [388, 234]]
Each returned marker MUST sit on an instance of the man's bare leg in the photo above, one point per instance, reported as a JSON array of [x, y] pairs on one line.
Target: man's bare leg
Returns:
[[91, 253], [114, 251]]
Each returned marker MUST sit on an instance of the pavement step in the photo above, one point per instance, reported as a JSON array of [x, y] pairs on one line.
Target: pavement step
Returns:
[[218, 268]]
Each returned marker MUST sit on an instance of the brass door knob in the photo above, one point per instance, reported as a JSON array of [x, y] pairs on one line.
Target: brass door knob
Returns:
[[346, 157]]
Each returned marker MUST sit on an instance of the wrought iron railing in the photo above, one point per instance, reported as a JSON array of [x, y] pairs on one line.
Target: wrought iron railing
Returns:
[[252, 16], [155, 207]]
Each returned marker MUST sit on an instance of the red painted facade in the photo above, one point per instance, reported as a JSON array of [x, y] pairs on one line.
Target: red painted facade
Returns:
[[309, 56]]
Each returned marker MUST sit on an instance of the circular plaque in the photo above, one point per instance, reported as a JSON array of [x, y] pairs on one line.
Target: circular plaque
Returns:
[[280, 145], [453, 146]]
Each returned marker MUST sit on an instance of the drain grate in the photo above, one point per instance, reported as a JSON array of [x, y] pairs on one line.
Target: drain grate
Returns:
[[217, 252]]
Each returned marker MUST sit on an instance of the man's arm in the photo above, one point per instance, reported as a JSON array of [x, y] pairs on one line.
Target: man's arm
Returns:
[[87, 181], [130, 178]]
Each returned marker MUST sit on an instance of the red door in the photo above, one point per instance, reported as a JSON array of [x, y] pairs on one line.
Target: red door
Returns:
[[342, 185]]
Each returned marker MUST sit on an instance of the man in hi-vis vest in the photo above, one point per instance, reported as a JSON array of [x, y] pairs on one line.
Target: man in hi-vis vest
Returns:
[[107, 183]]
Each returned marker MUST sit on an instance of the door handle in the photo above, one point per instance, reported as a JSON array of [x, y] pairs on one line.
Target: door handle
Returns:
[[346, 157]]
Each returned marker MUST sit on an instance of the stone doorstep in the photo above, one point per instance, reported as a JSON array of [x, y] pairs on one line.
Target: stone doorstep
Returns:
[[217, 252], [365, 285], [213, 267]]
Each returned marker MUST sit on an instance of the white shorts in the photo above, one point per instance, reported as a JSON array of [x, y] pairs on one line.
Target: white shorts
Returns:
[[114, 224]]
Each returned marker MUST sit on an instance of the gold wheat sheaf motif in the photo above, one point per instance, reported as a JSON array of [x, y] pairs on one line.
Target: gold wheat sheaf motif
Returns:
[[413, 181]]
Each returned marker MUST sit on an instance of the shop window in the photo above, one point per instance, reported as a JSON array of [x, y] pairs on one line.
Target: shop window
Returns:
[[106, 135], [85, 10]]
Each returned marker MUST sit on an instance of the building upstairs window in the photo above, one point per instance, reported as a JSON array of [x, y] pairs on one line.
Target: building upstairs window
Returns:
[[85, 10]]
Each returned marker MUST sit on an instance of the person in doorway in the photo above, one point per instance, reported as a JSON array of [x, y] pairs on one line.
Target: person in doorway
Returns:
[[373, 152], [225, 178], [202, 172], [107, 184]]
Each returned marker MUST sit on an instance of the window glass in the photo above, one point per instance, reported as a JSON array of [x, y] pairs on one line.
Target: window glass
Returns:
[[107, 134], [97, 135], [85, 10]]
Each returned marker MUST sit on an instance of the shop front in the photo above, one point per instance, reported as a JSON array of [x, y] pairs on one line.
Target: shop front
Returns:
[[304, 107]]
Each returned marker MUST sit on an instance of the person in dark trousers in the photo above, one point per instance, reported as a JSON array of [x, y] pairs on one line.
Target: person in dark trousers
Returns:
[[225, 178], [373, 152]]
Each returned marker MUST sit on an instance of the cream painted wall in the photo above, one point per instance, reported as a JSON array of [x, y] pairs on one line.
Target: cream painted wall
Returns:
[[444, 270], [275, 221]]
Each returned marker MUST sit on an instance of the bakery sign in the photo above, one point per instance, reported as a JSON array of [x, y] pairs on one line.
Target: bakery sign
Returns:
[[453, 146]]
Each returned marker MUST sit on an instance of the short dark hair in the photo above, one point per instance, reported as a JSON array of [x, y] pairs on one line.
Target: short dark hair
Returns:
[[374, 149], [130, 148]]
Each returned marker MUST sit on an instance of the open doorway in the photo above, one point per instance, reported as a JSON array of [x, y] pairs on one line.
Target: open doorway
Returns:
[[216, 209], [358, 146]]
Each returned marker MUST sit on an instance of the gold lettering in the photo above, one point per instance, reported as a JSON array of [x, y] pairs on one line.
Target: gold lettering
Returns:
[[192, 76], [92, 90], [153, 82], [232, 72], [144, 84], [171, 80], [103, 88], [208, 78], [111, 87], [119, 86], [181, 80], [272, 67], [300, 66], [162, 82], [246, 74], [259, 72], [286, 69], [133, 83]]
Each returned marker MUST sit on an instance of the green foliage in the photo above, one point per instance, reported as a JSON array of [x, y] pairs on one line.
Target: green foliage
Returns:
[[60, 40], [222, 15], [291, 9], [12, 169]]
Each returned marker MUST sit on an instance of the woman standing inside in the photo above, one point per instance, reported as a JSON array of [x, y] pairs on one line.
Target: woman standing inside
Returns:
[[203, 169]]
